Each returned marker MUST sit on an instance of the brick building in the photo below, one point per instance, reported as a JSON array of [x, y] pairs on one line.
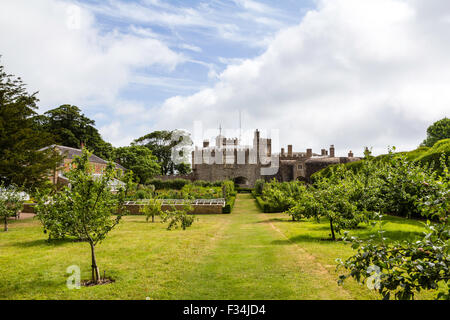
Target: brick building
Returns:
[[97, 163]]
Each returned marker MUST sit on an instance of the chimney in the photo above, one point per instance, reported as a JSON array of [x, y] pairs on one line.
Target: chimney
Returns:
[[309, 153], [205, 144], [290, 150], [350, 154], [282, 152], [323, 152], [332, 151]]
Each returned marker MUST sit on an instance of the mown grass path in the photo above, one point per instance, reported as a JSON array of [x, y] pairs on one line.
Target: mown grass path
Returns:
[[251, 260]]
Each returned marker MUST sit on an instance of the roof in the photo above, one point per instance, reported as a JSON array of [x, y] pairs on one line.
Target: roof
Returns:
[[70, 153], [327, 159]]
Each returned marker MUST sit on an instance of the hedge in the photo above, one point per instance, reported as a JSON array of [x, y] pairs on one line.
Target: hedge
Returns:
[[176, 184], [229, 205], [266, 208], [244, 190]]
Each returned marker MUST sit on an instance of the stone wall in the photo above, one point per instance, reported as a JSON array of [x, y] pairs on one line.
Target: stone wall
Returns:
[[217, 172]]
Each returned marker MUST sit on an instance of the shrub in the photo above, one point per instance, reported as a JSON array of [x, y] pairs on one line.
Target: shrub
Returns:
[[229, 205], [228, 189], [259, 186]]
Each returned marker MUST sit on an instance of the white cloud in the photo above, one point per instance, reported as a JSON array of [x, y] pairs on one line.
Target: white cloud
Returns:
[[352, 73], [58, 49]]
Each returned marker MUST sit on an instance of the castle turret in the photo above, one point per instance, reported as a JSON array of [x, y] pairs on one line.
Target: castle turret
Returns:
[[332, 151]]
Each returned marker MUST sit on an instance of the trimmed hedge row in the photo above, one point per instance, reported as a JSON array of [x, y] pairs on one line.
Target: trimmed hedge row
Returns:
[[229, 205], [176, 184], [244, 190], [265, 207]]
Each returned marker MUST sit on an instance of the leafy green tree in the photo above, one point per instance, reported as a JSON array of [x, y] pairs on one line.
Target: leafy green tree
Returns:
[[86, 209], [73, 129], [21, 161], [140, 160], [183, 168], [437, 131], [163, 145], [152, 209], [178, 217], [11, 203], [403, 268], [334, 199]]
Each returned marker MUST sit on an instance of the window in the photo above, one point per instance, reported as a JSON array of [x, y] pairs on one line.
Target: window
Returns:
[[300, 167]]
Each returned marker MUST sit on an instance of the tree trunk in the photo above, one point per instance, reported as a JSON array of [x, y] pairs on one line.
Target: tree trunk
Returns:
[[332, 230], [95, 271], [153, 218], [6, 223]]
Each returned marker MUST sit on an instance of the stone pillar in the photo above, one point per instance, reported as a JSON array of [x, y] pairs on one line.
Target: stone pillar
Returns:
[[290, 150], [332, 151], [282, 152], [308, 153], [350, 154], [323, 152]]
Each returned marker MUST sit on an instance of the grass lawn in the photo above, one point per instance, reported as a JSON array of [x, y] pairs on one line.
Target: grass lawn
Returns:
[[244, 255]]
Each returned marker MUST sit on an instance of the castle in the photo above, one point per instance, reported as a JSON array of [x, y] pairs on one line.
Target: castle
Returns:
[[246, 164]]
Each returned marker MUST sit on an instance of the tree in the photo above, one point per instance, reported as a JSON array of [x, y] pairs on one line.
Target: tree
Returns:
[[73, 129], [152, 209], [402, 268], [166, 145], [332, 198], [11, 203], [140, 160], [178, 217], [21, 161], [183, 168], [437, 131], [86, 209]]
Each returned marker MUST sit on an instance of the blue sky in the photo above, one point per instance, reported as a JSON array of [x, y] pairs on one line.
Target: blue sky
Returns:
[[209, 34], [352, 73]]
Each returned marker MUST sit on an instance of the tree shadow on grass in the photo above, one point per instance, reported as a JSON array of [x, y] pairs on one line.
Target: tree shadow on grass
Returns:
[[35, 286], [303, 238], [44, 242], [279, 220], [321, 238]]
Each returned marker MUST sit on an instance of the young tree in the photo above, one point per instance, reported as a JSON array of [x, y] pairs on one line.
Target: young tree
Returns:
[[11, 203], [152, 209], [84, 210], [21, 138], [178, 217], [334, 199]]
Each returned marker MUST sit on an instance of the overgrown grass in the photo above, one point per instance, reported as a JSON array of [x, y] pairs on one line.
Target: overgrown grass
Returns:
[[244, 255]]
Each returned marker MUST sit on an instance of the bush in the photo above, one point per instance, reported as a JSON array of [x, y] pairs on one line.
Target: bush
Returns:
[[229, 205], [176, 184], [228, 189], [259, 186], [244, 190]]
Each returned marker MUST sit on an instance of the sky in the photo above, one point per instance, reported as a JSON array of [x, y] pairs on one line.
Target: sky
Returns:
[[311, 73]]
